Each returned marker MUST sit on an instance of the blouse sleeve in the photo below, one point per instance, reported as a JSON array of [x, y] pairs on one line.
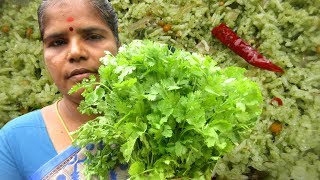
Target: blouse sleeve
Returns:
[[8, 167]]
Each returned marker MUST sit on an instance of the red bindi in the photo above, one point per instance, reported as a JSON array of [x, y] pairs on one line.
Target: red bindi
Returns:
[[70, 19], [70, 28]]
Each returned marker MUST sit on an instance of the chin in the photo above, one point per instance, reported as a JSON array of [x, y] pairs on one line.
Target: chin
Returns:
[[77, 97]]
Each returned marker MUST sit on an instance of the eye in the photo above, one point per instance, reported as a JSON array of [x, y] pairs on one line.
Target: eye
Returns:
[[57, 43], [94, 37]]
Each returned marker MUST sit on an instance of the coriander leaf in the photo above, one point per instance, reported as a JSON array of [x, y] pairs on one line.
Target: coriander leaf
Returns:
[[136, 168], [180, 149]]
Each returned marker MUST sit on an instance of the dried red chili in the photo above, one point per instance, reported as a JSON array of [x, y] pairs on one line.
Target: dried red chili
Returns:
[[244, 50], [278, 100]]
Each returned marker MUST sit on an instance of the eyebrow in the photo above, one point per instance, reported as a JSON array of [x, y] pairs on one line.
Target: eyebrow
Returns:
[[91, 29], [80, 30], [52, 36]]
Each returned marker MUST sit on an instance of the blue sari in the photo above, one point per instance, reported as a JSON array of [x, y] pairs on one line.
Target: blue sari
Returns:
[[69, 165]]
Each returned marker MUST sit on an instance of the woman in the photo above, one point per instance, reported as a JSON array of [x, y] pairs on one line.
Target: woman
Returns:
[[75, 35]]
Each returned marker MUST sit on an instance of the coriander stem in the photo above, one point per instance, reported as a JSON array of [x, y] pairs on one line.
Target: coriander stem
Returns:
[[122, 119], [104, 86]]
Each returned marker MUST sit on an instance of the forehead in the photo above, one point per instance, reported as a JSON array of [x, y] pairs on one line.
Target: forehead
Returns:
[[61, 10], [65, 4]]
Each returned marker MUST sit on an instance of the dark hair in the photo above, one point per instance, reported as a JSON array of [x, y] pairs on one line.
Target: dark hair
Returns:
[[104, 7]]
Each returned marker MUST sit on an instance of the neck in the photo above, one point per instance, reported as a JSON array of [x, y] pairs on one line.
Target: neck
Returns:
[[71, 115]]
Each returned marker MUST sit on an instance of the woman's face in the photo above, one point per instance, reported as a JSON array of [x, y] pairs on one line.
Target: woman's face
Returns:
[[75, 37]]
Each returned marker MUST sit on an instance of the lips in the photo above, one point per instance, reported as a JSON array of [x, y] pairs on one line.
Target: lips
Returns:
[[79, 74]]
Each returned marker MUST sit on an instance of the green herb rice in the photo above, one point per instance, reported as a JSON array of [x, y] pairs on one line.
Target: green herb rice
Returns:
[[286, 32]]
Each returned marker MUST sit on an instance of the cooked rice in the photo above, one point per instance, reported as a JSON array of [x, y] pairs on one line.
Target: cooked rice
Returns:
[[287, 32]]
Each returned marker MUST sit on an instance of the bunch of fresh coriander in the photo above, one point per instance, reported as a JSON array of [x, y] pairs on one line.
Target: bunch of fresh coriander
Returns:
[[165, 112]]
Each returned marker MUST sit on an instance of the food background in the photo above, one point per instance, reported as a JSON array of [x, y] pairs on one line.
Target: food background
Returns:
[[286, 32]]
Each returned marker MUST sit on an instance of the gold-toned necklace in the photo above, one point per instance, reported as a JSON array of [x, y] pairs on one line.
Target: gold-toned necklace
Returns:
[[62, 121]]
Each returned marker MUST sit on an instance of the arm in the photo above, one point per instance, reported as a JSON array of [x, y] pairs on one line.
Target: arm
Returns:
[[8, 167]]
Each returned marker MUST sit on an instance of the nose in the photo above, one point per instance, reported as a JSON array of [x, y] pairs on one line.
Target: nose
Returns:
[[77, 51]]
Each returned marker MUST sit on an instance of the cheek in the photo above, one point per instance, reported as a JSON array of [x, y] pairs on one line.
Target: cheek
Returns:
[[48, 60], [53, 68], [111, 46], [99, 54], [49, 65], [113, 49]]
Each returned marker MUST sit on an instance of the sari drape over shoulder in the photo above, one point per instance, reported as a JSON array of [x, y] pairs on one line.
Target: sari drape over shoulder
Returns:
[[69, 165]]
